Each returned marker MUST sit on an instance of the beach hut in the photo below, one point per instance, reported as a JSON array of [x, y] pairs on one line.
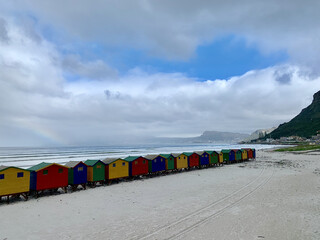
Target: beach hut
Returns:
[[181, 161], [213, 157], [14, 182], [244, 154], [77, 174], [170, 164], [249, 153], [116, 168], [193, 159], [48, 176], [96, 172], [238, 154], [204, 158], [157, 163], [228, 155], [137, 165], [220, 158], [253, 153]]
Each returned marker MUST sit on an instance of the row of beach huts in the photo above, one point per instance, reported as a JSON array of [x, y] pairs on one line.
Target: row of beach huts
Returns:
[[16, 182]]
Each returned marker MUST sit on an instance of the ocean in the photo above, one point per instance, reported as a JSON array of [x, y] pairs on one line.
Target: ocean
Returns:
[[26, 157]]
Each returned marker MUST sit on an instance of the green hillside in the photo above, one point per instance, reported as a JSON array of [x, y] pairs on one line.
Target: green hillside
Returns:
[[306, 124]]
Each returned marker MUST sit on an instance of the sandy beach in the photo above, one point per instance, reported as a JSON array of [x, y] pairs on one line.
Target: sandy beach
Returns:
[[275, 197]]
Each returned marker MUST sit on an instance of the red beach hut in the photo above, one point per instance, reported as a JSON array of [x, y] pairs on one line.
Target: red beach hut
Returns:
[[137, 165], [46, 176], [193, 159]]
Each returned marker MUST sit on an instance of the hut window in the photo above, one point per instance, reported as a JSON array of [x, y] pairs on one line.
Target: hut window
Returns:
[[80, 169], [60, 170], [20, 174], [114, 165], [123, 164], [155, 160], [1, 176], [98, 166], [161, 160], [136, 162], [144, 161], [45, 172]]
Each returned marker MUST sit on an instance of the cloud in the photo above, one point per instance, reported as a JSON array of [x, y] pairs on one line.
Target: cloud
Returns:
[[174, 29], [98, 69], [3, 31], [40, 105]]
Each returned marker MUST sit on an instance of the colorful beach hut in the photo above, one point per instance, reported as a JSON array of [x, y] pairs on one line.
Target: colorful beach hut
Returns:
[[238, 154], [48, 176], [157, 163], [220, 158], [228, 155], [169, 161], [213, 157], [204, 158], [244, 154], [96, 171], [249, 153], [254, 153], [181, 160], [137, 165], [193, 159], [14, 182], [116, 168], [77, 174]]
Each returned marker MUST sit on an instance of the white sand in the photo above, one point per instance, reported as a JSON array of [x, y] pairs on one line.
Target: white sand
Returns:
[[275, 197]]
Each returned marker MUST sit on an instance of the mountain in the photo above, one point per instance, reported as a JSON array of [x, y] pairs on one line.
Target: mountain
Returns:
[[215, 136], [206, 137], [260, 133], [306, 124]]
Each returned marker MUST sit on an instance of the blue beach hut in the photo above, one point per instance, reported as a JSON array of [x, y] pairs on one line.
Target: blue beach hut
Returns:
[[204, 158], [77, 174], [157, 163]]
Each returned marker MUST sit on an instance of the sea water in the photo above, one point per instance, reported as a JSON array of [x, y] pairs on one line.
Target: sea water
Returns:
[[26, 157]]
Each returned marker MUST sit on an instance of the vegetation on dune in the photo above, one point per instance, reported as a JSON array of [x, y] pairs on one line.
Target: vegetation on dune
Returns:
[[299, 148]]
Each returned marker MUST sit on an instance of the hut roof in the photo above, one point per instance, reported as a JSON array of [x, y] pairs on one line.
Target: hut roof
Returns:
[[72, 164], [166, 155], [187, 153], [111, 160], [225, 150], [39, 166], [235, 150], [199, 152], [43, 165], [176, 154], [91, 162], [210, 152], [151, 156], [131, 158], [2, 168]]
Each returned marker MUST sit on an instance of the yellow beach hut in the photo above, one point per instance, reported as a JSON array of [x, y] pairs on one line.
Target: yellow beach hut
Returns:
[[116, 168], [181, 160], [220, 158], [244, 154], [14, 182]]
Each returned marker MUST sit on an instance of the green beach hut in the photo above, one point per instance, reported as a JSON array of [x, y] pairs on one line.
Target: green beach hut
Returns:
[[169, 161], [96, 171], [238, 154], [213, 157]]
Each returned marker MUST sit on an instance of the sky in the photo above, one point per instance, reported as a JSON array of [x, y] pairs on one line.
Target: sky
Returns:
[[116, 72]]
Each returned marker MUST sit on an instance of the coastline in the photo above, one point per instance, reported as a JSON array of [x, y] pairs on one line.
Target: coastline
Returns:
[[275, 197]]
